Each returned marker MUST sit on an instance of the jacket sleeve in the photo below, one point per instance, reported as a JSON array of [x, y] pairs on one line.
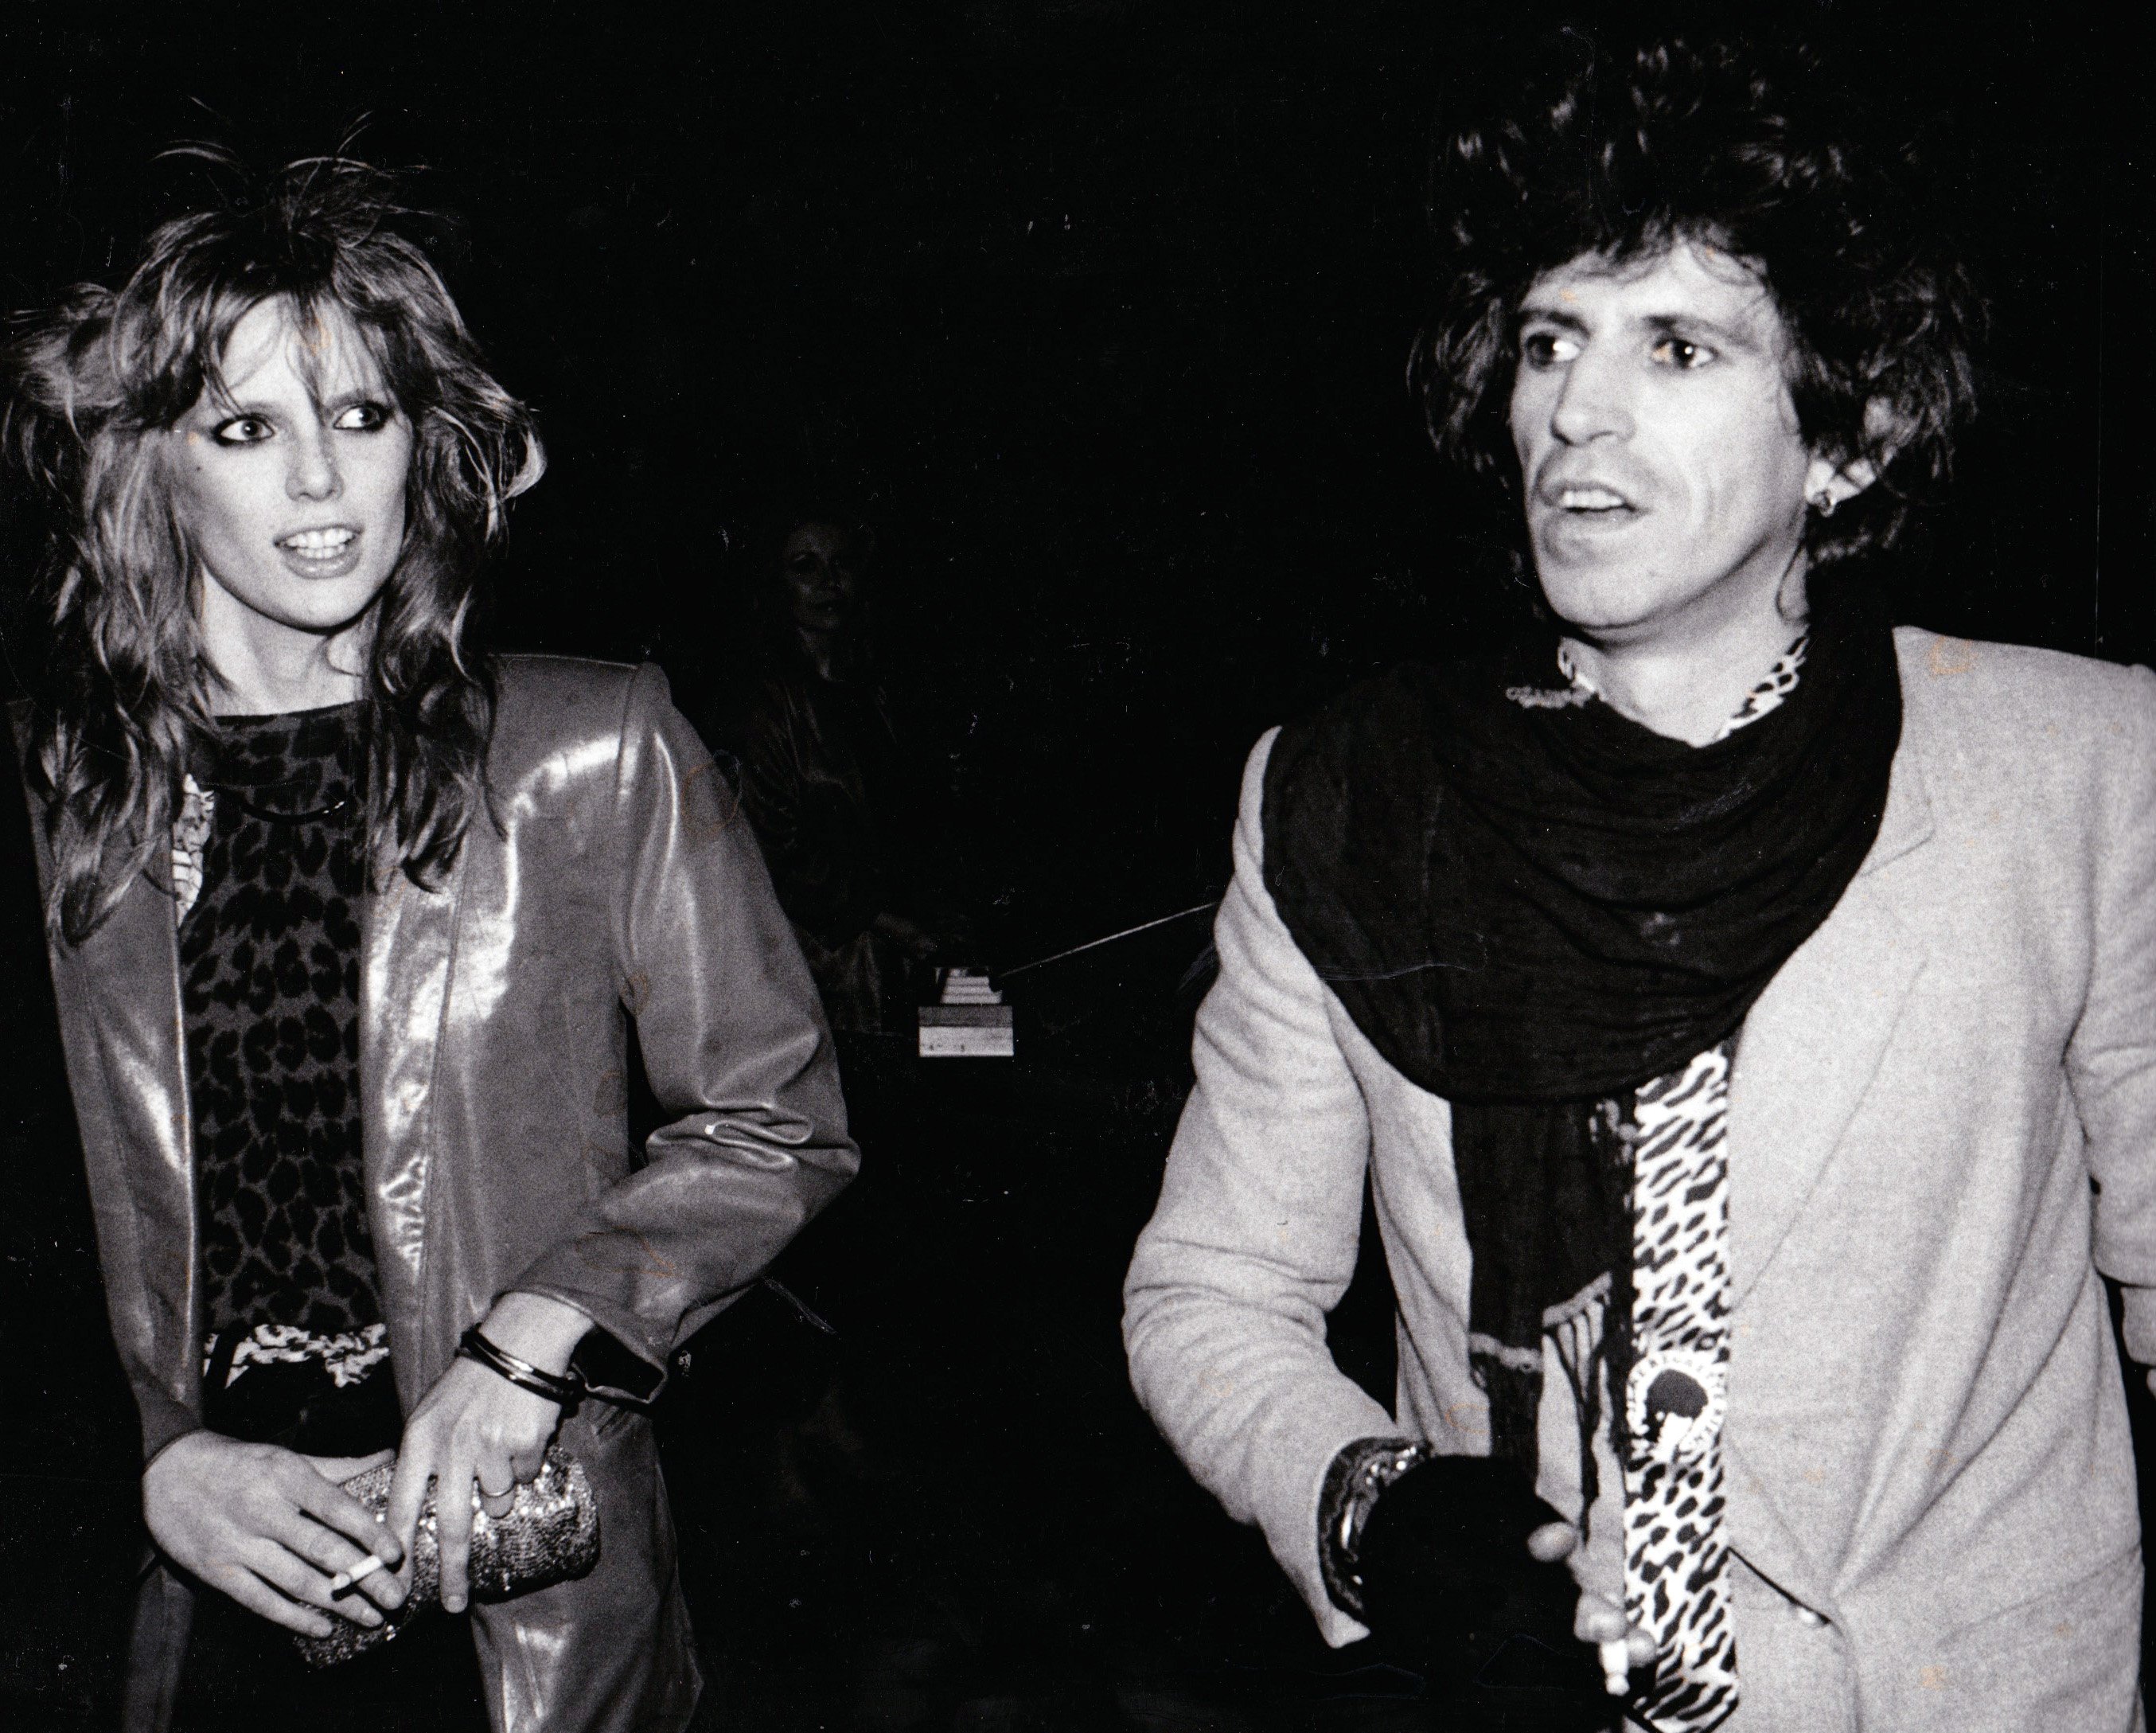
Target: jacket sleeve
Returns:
[[1255, 1237], [734, 1044], [2111, 1061]]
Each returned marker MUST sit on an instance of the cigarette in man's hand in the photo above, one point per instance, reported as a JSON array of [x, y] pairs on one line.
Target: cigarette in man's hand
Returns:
[[369, 1564], [1616, 1667]]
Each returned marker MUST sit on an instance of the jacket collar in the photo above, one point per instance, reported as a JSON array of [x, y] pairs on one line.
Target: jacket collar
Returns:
[[1907, 822]]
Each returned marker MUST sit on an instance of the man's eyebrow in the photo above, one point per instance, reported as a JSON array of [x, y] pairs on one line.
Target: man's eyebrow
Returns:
[[1541, 313], [1691, 325]]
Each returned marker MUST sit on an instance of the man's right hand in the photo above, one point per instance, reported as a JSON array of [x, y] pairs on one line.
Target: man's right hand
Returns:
[[271, 1528]]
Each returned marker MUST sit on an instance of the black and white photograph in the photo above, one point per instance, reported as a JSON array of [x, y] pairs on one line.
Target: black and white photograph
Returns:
[[1076, 867]]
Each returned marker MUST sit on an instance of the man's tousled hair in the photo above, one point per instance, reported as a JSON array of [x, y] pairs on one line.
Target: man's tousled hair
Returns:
[[126, 700], [1622, 154]]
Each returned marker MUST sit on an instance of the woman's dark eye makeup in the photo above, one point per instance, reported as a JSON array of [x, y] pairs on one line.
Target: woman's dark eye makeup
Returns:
[[353, 418]]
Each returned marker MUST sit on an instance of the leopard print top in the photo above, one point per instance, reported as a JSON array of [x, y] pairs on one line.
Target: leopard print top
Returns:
[[268, 866]]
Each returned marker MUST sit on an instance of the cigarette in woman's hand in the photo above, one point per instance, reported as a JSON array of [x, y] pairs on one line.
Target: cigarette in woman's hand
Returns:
[[369, 1564], [1616, 1667]]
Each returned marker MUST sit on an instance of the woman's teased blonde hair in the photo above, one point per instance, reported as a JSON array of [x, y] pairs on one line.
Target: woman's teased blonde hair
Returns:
[[126, 698]]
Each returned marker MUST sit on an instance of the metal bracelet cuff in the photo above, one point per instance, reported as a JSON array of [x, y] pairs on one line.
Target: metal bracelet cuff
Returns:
[[1357, 1476], [475, 1346]]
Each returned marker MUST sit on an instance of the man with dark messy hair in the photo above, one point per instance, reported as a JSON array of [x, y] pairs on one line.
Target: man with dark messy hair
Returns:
[[1742, 1008], [1878, 316]]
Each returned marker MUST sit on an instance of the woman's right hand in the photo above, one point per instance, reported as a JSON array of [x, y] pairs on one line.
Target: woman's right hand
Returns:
[[266, 1526]]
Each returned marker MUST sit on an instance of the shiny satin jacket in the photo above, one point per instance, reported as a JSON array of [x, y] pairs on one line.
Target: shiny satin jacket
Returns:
[[617, 881]]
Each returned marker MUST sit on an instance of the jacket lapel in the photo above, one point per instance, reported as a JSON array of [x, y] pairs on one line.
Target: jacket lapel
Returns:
[[1814, 1041], [407, 953], [128, 971]]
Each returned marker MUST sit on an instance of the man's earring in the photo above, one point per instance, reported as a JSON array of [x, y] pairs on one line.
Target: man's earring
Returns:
[[1823, 503]]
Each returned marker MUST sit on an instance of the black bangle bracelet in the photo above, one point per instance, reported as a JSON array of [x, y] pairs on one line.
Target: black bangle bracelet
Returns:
[[475, 1345]]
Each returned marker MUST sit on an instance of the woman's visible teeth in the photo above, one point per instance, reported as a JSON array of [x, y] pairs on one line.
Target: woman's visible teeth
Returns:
[[319, 544], [1590, 499]]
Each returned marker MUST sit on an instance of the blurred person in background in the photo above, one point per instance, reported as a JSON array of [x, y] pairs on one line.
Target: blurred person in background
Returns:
[[846, 811]]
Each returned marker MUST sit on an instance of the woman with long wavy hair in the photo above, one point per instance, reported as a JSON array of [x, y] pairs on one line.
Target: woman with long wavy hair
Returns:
[[348, 922]]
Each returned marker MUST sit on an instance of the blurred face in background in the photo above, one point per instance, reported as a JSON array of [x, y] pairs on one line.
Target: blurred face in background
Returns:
[[821, 564]]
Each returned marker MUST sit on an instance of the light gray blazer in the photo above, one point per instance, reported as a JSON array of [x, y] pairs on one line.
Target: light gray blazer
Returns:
[[1943, 1125]]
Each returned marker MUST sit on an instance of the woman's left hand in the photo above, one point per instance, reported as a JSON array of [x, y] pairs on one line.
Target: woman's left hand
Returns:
[[476, 1425]]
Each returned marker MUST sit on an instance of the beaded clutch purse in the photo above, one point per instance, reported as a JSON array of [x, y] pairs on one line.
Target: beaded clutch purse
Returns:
[[549, 1534]]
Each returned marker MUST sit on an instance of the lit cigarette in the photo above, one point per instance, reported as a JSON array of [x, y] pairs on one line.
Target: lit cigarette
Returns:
[[369, 1564], [1616, 1667]]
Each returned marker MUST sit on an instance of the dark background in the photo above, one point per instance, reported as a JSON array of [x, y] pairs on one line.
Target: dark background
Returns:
[[1098, 311]]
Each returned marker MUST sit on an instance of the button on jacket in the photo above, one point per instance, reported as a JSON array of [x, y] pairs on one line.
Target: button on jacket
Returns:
[[615, 878]]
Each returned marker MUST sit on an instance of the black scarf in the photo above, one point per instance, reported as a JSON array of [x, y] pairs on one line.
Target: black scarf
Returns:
[[1531, 906]]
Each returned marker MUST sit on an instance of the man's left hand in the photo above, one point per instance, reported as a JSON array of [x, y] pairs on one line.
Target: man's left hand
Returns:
[[1620, 1646], [476, 1428]]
